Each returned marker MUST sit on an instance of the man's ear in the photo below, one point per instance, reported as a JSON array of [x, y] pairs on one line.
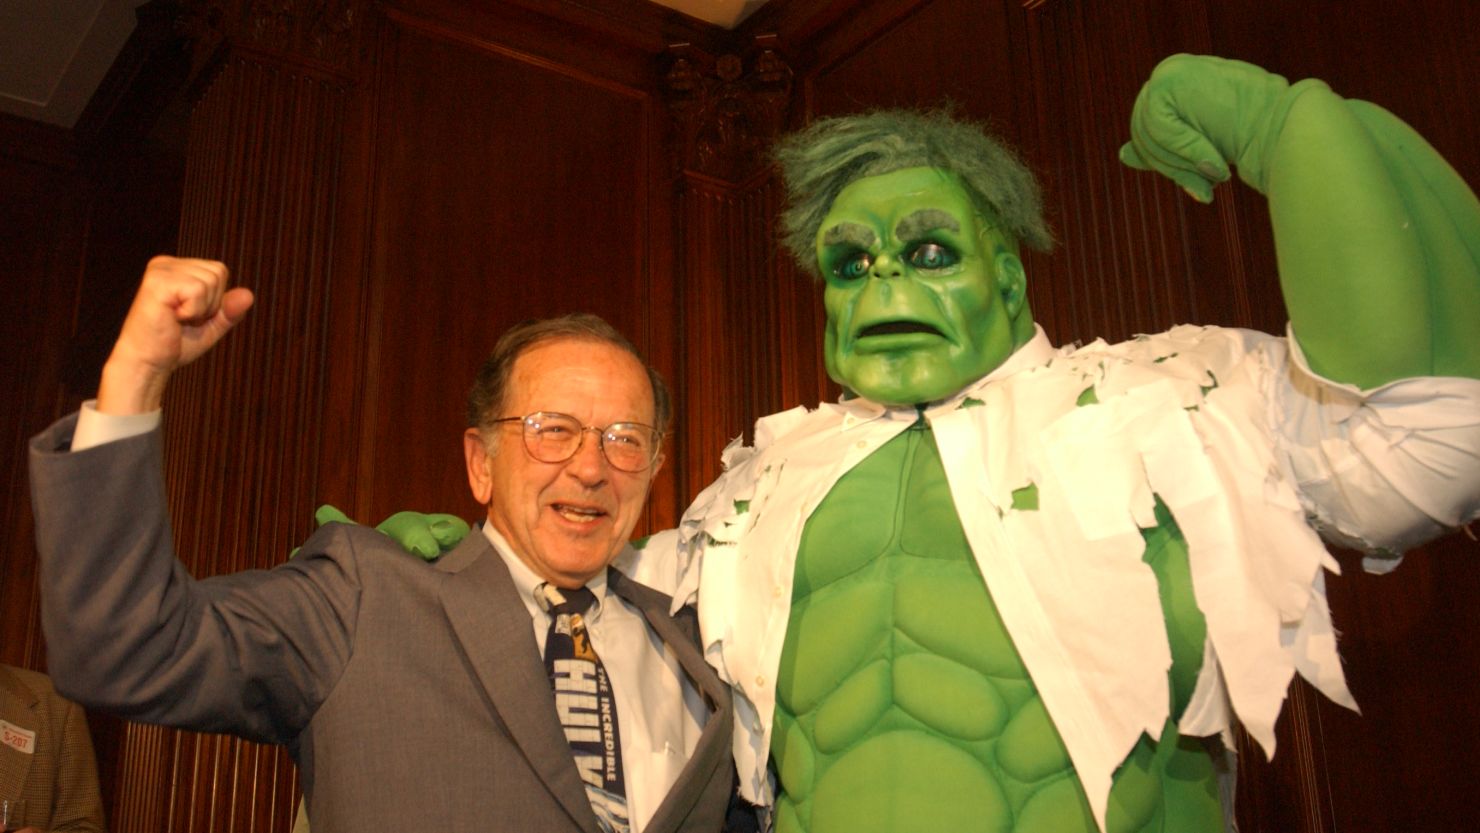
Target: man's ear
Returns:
[[1012, 282], [475, 452]]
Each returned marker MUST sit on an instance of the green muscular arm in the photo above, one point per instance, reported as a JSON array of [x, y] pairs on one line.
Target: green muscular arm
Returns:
[[1378, 239]]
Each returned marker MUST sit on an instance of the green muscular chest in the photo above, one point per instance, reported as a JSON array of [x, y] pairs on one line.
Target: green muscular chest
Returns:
[[902, 704]]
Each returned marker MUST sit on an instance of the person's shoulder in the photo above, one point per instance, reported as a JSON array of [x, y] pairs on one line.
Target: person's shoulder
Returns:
[[28, 684]]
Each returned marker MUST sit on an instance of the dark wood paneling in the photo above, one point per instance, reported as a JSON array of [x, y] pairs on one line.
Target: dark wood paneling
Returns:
[[259, 193], [44, 201], [506, 188]]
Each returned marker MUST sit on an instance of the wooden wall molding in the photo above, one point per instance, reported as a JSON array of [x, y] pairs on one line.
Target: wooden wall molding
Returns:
[[175, 51], [319, 29], [728, 109]]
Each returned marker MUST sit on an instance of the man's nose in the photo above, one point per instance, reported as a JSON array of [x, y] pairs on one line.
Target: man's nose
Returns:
[[589, 464]]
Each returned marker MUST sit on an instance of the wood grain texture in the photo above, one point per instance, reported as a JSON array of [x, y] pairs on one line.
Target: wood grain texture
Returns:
[[44, 204], [506, 188]]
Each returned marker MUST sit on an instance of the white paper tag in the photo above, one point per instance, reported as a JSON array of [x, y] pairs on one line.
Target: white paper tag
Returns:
[[17, 738]]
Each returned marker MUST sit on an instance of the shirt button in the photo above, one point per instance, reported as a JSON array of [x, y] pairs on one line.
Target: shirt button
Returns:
[[863, 444], [777, 591], [760, 681]]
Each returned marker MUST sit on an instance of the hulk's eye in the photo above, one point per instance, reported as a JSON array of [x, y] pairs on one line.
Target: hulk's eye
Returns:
[[853, 266], [932, 256]]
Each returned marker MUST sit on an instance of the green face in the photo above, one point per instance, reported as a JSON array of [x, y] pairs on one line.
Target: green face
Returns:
[[923, 295]]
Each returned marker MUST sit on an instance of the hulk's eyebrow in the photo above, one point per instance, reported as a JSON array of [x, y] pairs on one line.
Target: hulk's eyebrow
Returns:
[[859, 235], [926, 220]]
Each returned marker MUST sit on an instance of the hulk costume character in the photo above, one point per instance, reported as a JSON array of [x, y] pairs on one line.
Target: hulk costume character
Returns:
[[886, 717], [1007, 586], [985, 519]]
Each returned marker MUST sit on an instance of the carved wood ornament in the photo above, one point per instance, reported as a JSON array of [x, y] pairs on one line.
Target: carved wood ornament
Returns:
[[727, 114]]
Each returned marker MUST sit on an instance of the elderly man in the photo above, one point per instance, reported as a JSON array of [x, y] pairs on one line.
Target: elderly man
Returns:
[[1011, 587], [414, 696]]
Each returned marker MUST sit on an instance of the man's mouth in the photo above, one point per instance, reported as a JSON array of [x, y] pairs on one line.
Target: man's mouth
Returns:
[[578, 514], [894, 328]]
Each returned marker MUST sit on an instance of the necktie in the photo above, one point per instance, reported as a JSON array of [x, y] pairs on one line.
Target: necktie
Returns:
[[586, 706]]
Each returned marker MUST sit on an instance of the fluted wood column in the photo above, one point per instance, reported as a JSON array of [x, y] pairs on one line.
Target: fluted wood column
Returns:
[[243, 426], [751, 323]]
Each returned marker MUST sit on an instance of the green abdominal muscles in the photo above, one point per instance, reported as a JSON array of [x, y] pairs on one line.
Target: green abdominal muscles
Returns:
[[902, 704]]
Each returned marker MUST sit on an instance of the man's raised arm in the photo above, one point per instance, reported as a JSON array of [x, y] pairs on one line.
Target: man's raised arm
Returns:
[[1377, 238]]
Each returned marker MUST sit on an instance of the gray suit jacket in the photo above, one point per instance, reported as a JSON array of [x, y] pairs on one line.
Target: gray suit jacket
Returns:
[[412, 695]]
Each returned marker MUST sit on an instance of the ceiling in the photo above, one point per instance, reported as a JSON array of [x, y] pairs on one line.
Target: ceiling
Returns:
[[54, 53], [726, 13]]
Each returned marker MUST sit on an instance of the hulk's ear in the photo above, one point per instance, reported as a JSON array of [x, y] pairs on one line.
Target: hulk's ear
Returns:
[[1012, 282]]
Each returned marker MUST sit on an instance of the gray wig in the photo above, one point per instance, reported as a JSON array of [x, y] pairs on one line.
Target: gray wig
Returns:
[[818, 162]]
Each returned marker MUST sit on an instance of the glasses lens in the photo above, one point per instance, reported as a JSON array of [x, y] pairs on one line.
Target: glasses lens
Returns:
[[551, 438], [629, 445]]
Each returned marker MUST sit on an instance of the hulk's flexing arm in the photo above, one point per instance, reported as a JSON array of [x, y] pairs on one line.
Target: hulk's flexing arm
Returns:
[[1377, 237]]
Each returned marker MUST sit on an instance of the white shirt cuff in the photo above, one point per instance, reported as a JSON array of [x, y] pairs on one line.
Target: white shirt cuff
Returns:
[[95, 428]]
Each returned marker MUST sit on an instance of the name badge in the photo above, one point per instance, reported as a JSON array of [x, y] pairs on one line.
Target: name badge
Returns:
[[17, 738]]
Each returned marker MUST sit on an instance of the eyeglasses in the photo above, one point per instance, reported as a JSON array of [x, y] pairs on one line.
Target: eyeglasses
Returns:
[[555, 438]]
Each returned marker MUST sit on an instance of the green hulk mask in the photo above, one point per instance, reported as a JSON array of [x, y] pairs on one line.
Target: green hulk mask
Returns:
[[923, 294]]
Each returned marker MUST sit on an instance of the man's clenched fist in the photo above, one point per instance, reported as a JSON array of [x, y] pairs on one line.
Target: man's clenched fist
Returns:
[[183, 307]]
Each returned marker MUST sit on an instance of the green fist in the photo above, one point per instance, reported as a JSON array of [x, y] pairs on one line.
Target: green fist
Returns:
[[1198, 114]]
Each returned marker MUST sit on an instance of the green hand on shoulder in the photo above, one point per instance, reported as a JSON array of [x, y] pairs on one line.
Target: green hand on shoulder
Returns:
[[428, 535]]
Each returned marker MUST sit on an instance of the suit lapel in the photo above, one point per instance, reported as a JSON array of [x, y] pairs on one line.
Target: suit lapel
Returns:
[[713, 748], [493, 627]]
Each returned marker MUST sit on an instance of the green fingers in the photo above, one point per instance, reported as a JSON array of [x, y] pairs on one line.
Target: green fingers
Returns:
[[426, 535], [1198, 114]]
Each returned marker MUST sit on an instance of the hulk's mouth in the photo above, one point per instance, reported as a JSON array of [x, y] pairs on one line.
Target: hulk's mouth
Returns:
[[896, 328]]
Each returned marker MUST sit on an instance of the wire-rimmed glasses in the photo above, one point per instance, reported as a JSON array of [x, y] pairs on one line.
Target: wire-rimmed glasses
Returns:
[[554, 438]]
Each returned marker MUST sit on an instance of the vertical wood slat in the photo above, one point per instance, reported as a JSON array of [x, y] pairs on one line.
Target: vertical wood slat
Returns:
[[709, 370], [752, 338], [44, 205], [241, 425]]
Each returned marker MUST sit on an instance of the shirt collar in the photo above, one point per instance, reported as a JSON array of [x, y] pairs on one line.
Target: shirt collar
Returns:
[[528, 583], [1036, 351]]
